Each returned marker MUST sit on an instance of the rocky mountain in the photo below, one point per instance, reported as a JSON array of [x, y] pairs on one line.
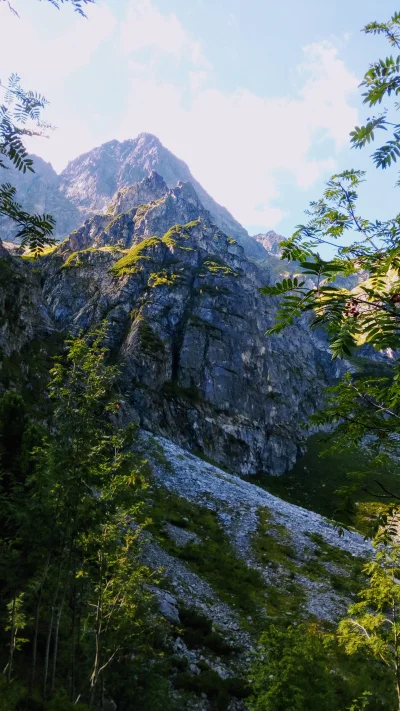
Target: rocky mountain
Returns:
[[270, 241], [89, 182], [40, 192], [186, 324]]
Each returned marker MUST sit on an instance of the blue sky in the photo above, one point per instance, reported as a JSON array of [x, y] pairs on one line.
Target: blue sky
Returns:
[[257, 96]]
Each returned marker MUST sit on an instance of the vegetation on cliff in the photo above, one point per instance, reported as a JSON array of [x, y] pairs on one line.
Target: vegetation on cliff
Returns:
[[363, 408], [73, 605]]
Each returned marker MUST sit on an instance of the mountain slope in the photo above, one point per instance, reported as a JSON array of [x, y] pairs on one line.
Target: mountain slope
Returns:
[[40, 192], [91, 180], [186, 324]]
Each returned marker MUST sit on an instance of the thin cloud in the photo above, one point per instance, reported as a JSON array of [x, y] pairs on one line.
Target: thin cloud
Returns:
[[48, 55], [145, 26], [237, 144]]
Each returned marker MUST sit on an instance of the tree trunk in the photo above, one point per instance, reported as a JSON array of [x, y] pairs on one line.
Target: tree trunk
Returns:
[[35, 635], [47, 653], [396, 651], [12, 641], [96, 663], [57, 629], [73, 620]]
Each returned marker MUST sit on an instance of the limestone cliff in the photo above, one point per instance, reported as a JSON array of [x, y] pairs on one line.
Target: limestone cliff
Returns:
[[186, 325], [89, 182]]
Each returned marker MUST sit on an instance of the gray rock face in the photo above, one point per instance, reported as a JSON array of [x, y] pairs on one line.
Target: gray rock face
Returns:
[[39, 192], [91, 180], [186, 323], [270, 241]]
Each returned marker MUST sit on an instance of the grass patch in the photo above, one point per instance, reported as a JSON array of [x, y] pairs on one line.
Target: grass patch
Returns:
[[214, 559], [150, 342], [197, 632], [73, 260], [349, 583], [272, 543], [315, 478], [132, 262], [165, 278], [217, 267]]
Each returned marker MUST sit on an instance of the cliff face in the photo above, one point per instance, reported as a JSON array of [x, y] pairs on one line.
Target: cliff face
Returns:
[[40, 192], [186, 324], [270, 241], [89, 182]]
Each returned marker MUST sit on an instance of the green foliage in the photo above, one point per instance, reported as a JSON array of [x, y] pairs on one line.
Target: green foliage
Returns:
[[35, 230], [381, 80], [73, 260], [216, 267], [362, 414], [367, 314], [134, 261], [373, 624], [20, 116], [72, 577], [166, 277], [150, 342], [293, 672], [218, 691], [198, 633], [178, 232], [364, 408], [302, 667]]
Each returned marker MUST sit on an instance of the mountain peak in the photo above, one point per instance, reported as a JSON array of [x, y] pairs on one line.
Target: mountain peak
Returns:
[[91, 180], [151, 188], [147, 138], [271, 242]]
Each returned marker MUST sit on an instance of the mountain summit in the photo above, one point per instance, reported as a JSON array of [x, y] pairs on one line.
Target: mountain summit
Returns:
[[88, 184], [91, 180]]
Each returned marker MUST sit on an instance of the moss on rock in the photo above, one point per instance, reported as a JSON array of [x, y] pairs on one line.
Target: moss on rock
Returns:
[[132, 262]]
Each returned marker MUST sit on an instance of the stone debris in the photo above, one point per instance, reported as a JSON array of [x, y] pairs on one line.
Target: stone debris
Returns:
[[237, 504]]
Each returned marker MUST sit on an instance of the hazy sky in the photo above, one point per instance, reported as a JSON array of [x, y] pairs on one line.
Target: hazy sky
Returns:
[[257, 96]]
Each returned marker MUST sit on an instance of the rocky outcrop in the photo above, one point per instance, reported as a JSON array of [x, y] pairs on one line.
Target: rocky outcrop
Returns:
[[234, 559], [270, 241], [27, 335], [39, 192], [186, 324], [89, 182]]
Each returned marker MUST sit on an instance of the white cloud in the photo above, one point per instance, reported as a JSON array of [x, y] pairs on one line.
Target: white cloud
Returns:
[[237, 144], [144, 26], [50, 51]]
